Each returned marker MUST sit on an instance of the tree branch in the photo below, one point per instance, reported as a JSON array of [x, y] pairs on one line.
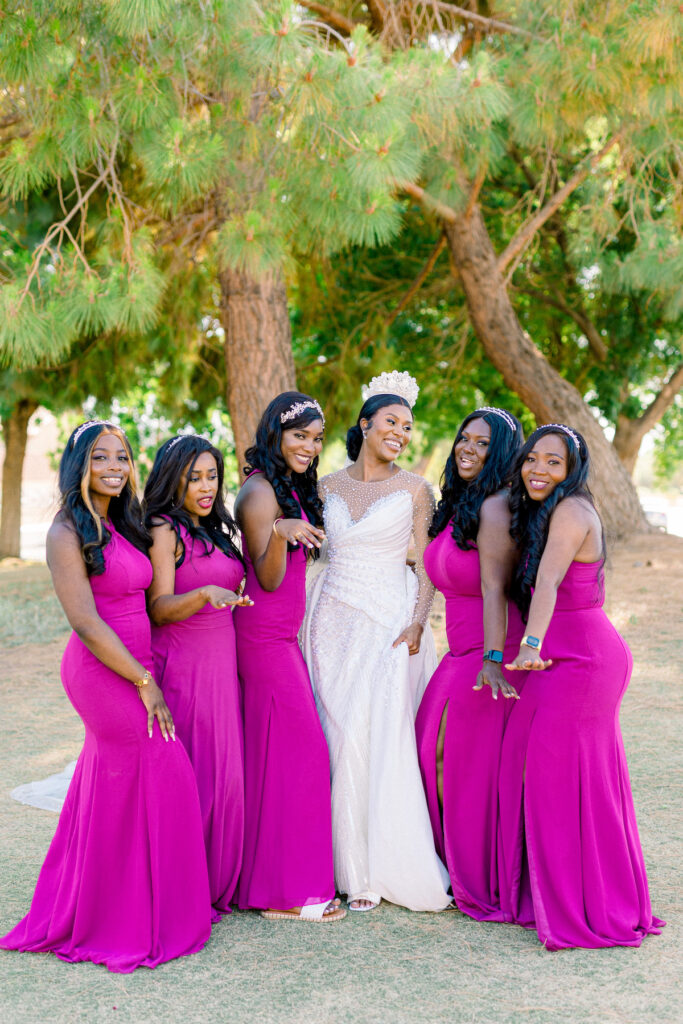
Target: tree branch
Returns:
[[419, 280], [593, 336], [330, 17], [525, 234], [661, 402], [447, 213], [480, 19]]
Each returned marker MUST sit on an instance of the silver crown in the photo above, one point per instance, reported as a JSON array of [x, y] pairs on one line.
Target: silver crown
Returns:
[[174, 442], [502, 413], [86, 426], [299, 407], [398, 382], [565, 430]]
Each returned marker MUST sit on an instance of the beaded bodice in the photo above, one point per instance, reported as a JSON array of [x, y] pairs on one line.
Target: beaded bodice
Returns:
[[368, 527]]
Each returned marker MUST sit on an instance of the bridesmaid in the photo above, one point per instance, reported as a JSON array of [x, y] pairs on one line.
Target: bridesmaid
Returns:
[[197, 570], [124, 882], [287, 869], [572, 866], [460, 730]]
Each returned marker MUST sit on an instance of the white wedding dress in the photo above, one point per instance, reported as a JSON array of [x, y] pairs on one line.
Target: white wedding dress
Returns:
[[368, 692]]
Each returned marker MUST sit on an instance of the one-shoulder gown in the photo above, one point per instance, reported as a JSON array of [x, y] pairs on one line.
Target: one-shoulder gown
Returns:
[[466, 829], [124, 882], [196, 667], [288, 828], [571, 865]]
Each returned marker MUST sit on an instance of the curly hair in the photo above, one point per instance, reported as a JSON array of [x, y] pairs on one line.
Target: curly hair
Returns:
[[530, 520], [75, 502], [461, 500], [164, 497], [266, 455], [354, 435]]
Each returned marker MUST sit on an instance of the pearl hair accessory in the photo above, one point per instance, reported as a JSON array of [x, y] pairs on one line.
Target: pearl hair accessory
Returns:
[[503, 415], [565, 430], [86, 426], [299, 407], [398, 382]]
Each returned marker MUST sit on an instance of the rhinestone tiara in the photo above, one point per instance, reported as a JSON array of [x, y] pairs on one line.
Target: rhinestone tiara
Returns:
[[504, 415], [565, 430], [398, 382], [86, 426], [174, 442], [299, 407]]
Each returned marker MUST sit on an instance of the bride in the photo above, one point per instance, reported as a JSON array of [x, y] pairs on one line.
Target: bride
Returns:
[[370, 653]]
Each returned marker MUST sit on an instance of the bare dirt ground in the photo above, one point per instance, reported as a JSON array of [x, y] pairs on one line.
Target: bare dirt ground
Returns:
[[388, 966]]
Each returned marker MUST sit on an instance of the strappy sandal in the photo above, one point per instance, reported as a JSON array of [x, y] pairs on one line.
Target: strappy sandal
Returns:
[[314, 912], [371, 898]]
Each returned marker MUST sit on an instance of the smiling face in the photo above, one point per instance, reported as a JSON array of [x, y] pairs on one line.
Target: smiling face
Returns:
[[109, 467], [545, 466], [388, 433], [471, 448], [300, 445], [199, 486]]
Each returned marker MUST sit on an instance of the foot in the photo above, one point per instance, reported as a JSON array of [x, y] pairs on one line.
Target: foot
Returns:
[[296, 911], [361, 903], [331, 911]]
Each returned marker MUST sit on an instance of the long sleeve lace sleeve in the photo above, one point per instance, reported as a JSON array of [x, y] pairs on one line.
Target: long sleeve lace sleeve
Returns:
[[423, 510]]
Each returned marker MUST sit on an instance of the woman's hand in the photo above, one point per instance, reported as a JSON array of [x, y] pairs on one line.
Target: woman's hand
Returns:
[[298, 531], [411, 635], [527, 660], [491, 674], [153, 699], [219, 597]]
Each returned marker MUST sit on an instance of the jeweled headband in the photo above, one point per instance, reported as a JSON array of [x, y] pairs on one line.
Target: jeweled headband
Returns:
[[503, 415], [174, 442], [86, 426], [299, 407], [565, 430]]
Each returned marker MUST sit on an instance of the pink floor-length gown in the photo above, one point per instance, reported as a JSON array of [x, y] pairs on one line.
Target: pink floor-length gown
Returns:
[[466, 830], [196, 667], [571, 862], [288, 829], [124, 882]]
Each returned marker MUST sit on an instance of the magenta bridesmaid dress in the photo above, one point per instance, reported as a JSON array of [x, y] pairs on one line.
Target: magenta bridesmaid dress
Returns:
[[124, 882], [571, 862], [288, 827], [466, 831], [195, 665]]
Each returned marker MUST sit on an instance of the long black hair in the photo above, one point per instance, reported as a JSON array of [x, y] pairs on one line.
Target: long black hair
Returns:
[[461, 500], [354, 435], [266, 455], [531, 519], [76, 506], [164, 497]]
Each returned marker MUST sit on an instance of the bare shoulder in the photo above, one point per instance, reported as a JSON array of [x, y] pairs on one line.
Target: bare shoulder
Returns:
[[255, 495], [495, 510], [574, 511], [62, 532]]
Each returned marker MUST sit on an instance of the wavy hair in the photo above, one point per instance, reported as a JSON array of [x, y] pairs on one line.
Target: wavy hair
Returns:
[[266, 455], [75, 501], [354, 435], [165, 494], [530, 520], [461, 500]]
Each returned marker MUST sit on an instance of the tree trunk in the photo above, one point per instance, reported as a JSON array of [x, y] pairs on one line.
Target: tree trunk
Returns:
[[525, 370], [14, 435], [630, 433], [258, 349]]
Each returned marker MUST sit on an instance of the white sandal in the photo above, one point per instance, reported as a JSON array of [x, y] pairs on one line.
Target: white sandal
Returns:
[[373, 899], [314, 912]]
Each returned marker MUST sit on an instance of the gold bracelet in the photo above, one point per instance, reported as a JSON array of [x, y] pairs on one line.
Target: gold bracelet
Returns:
[[275, 527], [145, 680]]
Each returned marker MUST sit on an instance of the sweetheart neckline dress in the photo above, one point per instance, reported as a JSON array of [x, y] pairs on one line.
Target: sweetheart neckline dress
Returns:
[[367, 692]]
